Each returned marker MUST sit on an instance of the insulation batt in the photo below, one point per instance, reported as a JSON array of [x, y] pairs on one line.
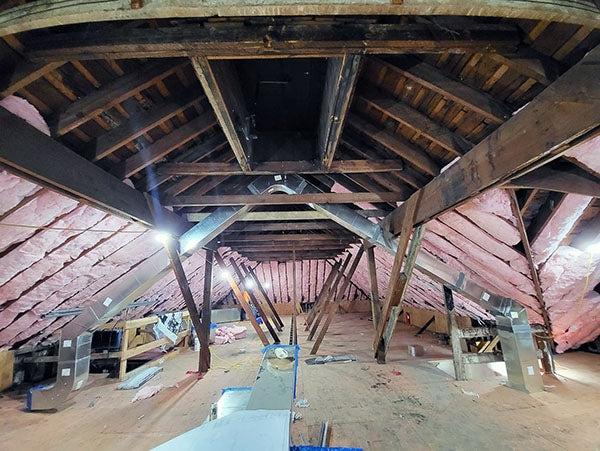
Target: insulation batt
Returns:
[[563, 219], [13, 190]]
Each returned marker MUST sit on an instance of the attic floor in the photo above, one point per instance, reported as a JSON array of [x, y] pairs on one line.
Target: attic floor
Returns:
[[366, 404]]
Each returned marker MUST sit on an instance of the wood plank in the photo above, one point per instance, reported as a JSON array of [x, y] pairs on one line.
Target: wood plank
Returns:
[[457, 354], [268, 216], [25, 73], [204, 354], [165, 145], [375, 301], [111, 94], [222, 87], [509, 152], [397, 278], [281, 167], [136, 126], [241, 299], [20, 145], [418, 157], [282, 199], [51, 13], [247, 40], [548, 179], [261, 293], [472, 99], [424, 125], [514, 203], [285, 226], [340, 80]]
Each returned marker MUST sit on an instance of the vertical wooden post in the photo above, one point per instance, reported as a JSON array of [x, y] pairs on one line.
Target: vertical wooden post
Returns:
[[204, 355], [123, 359], [240, 297], [457, 356], [375, 301], [172, 251], [334, 305]]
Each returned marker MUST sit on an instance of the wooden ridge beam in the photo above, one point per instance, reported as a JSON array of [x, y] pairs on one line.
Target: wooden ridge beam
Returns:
[[222, 87], [239, 40], [548, 179], [508, 152], [340, 80], [283, 199], [111, 94], [396, 145], [472, 99], [420, 123], [281, 167], [137, 125], [165, 145], [20, 145]]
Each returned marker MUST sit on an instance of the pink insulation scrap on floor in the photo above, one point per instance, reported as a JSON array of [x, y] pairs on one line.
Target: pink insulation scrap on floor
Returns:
[[229, 334]]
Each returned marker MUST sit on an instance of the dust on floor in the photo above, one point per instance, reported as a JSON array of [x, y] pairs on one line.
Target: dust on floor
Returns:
[[405, 404]]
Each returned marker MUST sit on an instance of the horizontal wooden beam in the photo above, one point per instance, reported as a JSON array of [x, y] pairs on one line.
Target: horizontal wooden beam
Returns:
[[285, 226], [282, 199], [566, 113], [432, 78], [288, 248], [165, 145], [63, 170], [50, 13], [281, 167], [285, 238], [269, 216], [548, 179], [415, 155], [239, 40], [290, 256], [111, 94]]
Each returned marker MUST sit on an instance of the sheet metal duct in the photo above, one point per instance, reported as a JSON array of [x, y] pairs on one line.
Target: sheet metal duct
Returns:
[[75, 341], [513, 325]]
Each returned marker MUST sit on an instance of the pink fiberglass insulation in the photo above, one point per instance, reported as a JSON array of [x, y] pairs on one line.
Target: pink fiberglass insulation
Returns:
[[59, 258], [25, 110], [560, 224], [337, 188], [13, 190], [568, 278], [44, 242], [40, 211], [587, 154], [491, 211]]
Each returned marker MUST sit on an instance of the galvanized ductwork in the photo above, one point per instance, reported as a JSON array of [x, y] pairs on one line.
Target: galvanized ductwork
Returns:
[[513, 325]]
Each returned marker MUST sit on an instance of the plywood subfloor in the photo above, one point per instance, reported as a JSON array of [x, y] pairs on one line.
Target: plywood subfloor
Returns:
[[368, 405]]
